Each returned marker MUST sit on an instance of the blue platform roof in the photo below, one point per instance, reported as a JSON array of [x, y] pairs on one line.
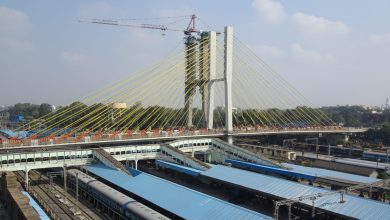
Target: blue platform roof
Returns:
[[183, 202], [271, 169], [34, 204], [324, 173], [354, 207], [309, 173], [179, 168]]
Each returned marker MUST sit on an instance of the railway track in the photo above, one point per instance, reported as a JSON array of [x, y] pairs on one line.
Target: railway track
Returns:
[[62, 207]]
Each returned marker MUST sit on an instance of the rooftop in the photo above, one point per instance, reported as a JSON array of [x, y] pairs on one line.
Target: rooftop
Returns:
[[324, 173], [189, 205], [355, 207]]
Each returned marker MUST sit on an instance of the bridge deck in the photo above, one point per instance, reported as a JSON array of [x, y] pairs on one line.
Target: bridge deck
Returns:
[[172, 136]]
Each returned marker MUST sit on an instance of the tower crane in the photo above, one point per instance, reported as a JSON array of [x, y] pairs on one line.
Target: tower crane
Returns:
[[188, 31], [196, 73]]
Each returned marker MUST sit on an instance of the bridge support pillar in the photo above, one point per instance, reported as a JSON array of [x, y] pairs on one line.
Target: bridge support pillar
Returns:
[[65, 183], [211, 77], [229, 138], [207, 157], [228, 79], [26, 180], [190, 77], [346, 138]]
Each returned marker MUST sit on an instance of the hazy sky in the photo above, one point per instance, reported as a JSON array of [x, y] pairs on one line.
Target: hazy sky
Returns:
[[333, 51]]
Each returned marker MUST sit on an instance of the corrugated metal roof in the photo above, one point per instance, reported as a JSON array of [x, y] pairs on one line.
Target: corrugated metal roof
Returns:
[[330, 173], [309, 173], [355, 207], [364, 163], [270, 169], [184, 202], [179, 168], [42, 214]]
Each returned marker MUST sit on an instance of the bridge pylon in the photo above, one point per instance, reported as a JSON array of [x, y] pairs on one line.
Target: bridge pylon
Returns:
[[201, 72], [228, 74], [201, 53]]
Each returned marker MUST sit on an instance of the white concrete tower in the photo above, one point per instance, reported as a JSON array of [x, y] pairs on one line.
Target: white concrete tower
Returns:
[[211, 78], [228, 82]]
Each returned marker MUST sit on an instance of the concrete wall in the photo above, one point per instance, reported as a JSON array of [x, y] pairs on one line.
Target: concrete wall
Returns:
[[14, 204]]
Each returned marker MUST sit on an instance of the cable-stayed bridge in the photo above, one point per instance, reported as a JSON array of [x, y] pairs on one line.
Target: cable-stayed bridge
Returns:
[[215, 87]]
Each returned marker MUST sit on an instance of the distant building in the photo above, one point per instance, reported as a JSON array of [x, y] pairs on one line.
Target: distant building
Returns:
[[16, 118], [119, 105], [4, 119]]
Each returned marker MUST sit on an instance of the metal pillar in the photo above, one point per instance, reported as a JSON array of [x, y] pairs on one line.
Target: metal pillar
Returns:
[[136, 164], [342, 197], [313, 208], [77, 190], [228, 81], [370, 192], [212, 75]]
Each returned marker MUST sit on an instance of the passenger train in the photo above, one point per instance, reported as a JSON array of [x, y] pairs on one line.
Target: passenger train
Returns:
[[376, 156], [124, 206]]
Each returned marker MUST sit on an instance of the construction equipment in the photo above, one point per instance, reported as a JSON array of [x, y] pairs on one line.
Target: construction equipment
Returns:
[[188, 31]]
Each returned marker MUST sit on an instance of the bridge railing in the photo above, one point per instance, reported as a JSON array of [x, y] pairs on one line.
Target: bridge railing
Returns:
[[96, 137]]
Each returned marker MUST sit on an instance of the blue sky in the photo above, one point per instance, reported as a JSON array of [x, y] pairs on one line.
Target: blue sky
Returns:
[[335, 52]]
